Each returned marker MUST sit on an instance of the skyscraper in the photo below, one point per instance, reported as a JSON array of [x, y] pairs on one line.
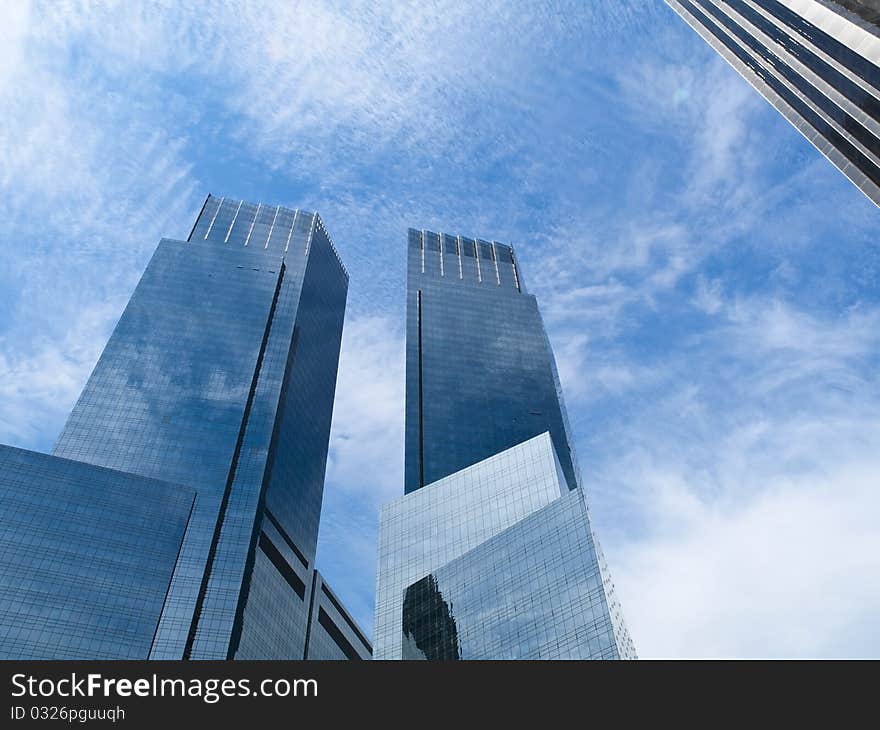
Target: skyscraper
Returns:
[[480, 376], [489, 553], [218, 382], [816, 61]]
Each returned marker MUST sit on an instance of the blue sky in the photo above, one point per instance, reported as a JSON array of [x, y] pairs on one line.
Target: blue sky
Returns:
[[708, 280]]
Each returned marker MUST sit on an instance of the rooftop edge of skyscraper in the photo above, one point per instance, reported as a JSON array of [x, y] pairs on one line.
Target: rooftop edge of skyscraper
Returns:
[[232, 220], [481, 375], [469, 260]]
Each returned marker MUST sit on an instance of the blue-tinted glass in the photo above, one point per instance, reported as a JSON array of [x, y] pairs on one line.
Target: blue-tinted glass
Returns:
[[220, 375], [168, 396], [281, 229], [276, 617], [534, 591], [86, 557], [206, 215], [812, 75], [480, 373], [506, 535], [294, 486], [834, 48], [262, 226], [489, 554], [834, 112], [333, 634]]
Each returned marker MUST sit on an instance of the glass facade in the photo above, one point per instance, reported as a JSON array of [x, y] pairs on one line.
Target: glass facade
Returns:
[[277, 609], [220, 376], [333, 633], [533, 591], [86, 557], [489, 554], [495, 561], [818, 63], [169, 395], [480, 374]]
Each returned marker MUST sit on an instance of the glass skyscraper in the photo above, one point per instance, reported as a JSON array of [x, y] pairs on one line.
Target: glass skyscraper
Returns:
[[480, 376], [816, 61], [218, 382], [490, 553]]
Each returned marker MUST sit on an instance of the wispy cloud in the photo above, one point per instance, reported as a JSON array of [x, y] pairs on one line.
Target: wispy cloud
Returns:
[[365, 466], [88, 183], [367, 434], [736, 487], [39, 384]]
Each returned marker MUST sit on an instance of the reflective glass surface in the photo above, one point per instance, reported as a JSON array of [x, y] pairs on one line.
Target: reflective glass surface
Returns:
[[433, 526], [276, 616], [480, 374], [834, 48], [771, 77], [496, 561], [489, 554], [825, 87], [168, 396], [86, 557], [221, 375], [533, 591], [859, 132], [333, 634], [295, 488], [294, 481], [840, 81]]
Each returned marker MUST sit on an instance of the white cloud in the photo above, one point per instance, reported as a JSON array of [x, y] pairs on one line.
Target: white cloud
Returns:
[[744, 487], [365, 464], [774, 325], [366, 442], [709, 296], [39, 386], [12, 34], [786, 572], [89, 181], [294, 74]]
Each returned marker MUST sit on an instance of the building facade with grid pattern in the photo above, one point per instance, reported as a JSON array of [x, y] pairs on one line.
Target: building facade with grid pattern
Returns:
[[220, 377], [490, 553], [480, 374], [86, 557], [816, 61]]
